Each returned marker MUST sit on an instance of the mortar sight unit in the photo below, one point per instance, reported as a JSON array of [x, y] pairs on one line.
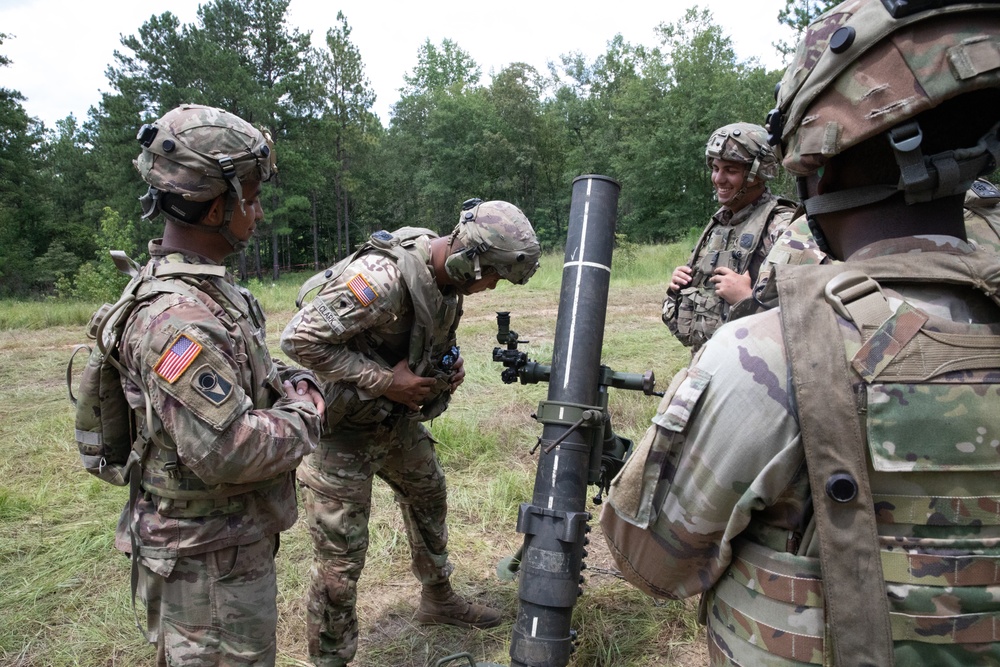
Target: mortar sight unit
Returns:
[[611, 447]]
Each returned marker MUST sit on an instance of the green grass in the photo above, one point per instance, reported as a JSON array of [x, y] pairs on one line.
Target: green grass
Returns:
[[35, 315], [65, 593]]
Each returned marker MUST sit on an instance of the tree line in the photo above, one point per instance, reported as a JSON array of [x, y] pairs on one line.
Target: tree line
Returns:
[[637, 113]]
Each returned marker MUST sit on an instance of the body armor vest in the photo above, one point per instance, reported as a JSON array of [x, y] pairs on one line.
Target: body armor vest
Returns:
[[436, 318], [902, 553], [179, 491], [697, 311]]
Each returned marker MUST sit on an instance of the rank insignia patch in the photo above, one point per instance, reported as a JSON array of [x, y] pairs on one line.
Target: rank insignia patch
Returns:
[[362, 290], [211, 385], [177, 358]]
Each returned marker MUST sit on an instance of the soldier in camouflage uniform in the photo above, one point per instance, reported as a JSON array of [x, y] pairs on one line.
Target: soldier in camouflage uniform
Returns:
[[826, 472], [726, 261], [381, 333], [225, 425]]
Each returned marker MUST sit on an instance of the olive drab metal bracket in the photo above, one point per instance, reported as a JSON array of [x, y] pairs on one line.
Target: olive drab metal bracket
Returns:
[[577, 447]]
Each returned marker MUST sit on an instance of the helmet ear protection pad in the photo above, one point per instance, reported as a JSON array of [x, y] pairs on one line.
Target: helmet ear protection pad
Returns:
[[184, 210], [463, 264]]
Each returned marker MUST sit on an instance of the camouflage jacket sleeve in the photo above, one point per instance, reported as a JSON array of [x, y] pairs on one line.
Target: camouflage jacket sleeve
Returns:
[[780, 220], [724, 445], [204, 398], [328, 334]]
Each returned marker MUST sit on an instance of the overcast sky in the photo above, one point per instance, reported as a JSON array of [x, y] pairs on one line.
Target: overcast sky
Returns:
[[61, 48]]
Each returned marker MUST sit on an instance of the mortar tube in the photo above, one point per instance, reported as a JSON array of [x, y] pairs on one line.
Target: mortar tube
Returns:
[[555, 523]]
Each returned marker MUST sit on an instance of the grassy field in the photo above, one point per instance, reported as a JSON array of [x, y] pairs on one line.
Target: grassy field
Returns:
[[64, 598]]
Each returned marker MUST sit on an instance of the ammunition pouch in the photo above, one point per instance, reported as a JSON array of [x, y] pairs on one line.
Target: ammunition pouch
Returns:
[[438, 403], [698, 312], [180, 494], [346, 408], [713, 260]]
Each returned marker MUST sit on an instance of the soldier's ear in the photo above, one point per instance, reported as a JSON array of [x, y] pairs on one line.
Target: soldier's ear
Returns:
[[216, 212]]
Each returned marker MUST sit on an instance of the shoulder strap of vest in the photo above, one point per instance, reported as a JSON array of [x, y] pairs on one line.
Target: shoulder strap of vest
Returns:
[[758, 226], [701, 242], [856, 605], [116, 317], [426, 298], [854, 590], [381, 240]]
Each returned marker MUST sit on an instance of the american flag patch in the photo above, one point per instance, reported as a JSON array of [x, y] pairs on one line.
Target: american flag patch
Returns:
[[359, 285], [177, 358]]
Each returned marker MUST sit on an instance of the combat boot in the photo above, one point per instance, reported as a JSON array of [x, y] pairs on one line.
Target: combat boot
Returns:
[[439, 604]]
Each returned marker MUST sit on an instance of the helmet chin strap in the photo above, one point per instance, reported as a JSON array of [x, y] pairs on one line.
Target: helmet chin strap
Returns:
[[738, 197], [749, 175], [237, 244], [922, 178]]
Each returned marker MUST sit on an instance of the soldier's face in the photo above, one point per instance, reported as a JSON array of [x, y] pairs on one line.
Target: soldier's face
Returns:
[[728, 178], [487, 282], [244, 222]]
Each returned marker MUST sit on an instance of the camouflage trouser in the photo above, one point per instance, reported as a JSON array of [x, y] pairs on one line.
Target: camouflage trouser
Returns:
[[216, 608], [337, 488]]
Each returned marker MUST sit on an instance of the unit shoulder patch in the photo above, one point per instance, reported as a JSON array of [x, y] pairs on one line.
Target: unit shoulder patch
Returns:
[[206, 385], [209, 383]]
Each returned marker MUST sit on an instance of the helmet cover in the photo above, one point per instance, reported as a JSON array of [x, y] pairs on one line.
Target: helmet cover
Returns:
[[745, 143], [493, 234], [859, 71], [201, 152]]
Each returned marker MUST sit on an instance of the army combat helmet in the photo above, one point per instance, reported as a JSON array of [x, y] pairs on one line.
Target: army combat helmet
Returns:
[[745, 143], [867, 68], [195, 153], [496, 235]]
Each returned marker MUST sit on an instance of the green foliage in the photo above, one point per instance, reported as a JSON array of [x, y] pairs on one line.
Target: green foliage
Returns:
[[638, 113], [36, 315], [25, 224], [55, 266], [99, 280]]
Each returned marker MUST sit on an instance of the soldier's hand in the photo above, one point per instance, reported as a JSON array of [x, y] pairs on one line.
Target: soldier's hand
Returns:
[[681, 277], [730, 285], [304, 391], [407, 387], [458, 377]]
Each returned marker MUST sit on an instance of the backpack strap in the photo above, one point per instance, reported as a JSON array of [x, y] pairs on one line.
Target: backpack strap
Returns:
[[857, 608]]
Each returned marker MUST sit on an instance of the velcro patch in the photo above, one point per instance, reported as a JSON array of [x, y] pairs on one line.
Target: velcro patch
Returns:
[[362, 290], [177, 358], [210, 384]]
